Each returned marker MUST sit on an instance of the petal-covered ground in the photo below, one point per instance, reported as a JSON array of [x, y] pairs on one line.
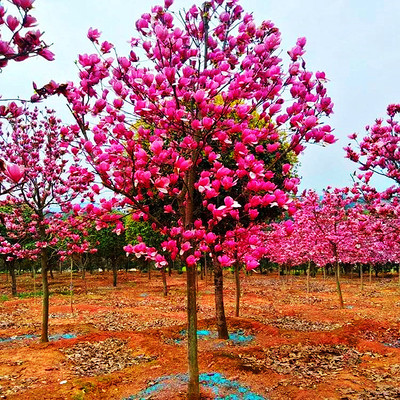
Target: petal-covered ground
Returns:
[[129, 342]]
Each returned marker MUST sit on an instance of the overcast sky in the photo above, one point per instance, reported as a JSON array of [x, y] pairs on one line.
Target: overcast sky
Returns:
[[356, 42]]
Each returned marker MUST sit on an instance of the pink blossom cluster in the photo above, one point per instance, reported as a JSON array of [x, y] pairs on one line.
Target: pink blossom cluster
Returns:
[[18, 38]]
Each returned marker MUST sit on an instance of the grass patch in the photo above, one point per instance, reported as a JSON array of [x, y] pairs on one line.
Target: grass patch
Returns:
[[3, 297], [26, 295]]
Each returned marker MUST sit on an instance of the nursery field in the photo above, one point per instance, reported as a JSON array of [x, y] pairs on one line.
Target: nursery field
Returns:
[[129, 342]]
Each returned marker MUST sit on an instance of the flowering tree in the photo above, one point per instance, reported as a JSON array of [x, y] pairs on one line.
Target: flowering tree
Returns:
[[48, 183], [191, 139], [378, 151], [17, 43], [109, 246], [327, 221], [13, 237]]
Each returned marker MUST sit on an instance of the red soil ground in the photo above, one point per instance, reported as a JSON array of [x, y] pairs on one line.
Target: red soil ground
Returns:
[[304, 346]]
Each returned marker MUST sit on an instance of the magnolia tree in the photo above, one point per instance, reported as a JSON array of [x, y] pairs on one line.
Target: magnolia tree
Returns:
[[50, 180], [13, 237], [326, 222], [246, 246], [378, 151], [18, 41], [187, 129]]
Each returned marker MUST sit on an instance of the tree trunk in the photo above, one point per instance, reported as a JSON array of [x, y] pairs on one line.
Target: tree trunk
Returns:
[[337, 277], [71, 287], [324, 271], [361, 277], [164, 281], [11, 267], [34, 283], [205, 268], [83, 268], [51, 270], [193, 386], [308, 276], [219, 301], [201, 271], [237, 282], [114, 270], [187, 207], [370, 274], [149, 271], [398, 268], [45, 284]]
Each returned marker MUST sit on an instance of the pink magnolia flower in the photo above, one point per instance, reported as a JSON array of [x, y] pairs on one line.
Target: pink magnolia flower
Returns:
[[191, 260], [15, 172], [225, 261], [93, 35]]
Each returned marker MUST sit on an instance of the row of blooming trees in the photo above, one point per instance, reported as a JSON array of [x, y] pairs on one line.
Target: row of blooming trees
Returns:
[[342, 226]]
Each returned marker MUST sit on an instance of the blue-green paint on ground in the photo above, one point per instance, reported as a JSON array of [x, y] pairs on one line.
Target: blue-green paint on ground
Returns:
[[19, 337], [239, 337], [214, 381], [55, 337], [62, 336]]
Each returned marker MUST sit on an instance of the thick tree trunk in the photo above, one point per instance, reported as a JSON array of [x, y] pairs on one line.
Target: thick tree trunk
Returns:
[[222, 327], [308, 276], [45, 285], [370, 274], [237, 286], [164, 281], [114, 270], [11, 267], [361, 277]]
